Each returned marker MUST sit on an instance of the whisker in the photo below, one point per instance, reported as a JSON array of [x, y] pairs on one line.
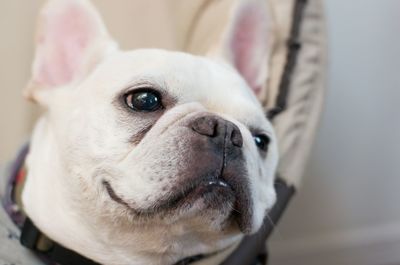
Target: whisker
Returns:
[[234, 209]]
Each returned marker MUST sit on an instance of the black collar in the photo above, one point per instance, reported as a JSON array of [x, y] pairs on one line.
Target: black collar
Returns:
[[31, 238]]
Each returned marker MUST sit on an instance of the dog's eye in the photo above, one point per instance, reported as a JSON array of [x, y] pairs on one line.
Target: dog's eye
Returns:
[[143, 100], [262, 141]]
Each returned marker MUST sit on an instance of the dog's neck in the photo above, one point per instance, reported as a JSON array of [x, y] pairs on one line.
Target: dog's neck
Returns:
[[48, 203]]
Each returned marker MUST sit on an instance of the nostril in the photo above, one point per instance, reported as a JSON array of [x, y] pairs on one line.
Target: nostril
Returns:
[[205, 126], [236, 137]]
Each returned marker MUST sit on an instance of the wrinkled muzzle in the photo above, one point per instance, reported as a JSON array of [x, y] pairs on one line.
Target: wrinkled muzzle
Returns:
[[197, 165]]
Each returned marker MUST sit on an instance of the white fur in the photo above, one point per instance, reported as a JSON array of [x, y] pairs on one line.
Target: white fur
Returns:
[[84, 138]]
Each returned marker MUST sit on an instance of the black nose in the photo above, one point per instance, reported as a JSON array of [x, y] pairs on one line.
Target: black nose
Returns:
[[213, 126]]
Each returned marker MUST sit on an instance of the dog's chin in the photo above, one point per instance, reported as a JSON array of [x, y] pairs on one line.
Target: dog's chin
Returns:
[[214, 196], [211, 201]]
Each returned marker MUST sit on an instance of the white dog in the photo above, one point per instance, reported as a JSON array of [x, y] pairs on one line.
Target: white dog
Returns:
[[149, 156]]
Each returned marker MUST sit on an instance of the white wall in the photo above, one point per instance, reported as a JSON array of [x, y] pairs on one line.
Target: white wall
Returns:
[[348, 211]]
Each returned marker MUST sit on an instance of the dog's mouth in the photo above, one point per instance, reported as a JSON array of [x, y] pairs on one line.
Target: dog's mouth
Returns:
[[211, 190], [212, 181], [212, 193], [215, 193]]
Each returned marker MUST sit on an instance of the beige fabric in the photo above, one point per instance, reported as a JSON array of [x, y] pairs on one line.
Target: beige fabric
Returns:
[[296, 126], [282, 11]]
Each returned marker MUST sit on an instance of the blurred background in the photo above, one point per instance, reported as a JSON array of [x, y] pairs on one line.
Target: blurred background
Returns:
[[348, 209]]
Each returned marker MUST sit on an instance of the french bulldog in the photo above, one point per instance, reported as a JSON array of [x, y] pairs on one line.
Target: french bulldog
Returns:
[[149, 156]]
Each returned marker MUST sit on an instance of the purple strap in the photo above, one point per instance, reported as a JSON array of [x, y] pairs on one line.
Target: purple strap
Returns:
[[8, 202]]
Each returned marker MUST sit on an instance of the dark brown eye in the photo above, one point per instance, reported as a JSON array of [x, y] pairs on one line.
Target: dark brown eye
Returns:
[[145, 100], [262, 141]]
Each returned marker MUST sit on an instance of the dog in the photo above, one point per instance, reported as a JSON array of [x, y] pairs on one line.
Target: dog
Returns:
[[149, 156]]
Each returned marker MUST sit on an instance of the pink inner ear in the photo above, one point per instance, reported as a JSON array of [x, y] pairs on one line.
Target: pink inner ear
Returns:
[[248, 43], [62, 44]]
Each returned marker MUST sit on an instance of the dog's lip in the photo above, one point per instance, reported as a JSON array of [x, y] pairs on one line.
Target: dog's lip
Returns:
[[191, 192], [209, 189], [217, 182], [174, 201], [203, 187]]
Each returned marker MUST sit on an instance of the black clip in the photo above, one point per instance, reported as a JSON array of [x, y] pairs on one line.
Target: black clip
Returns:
[[29, 234]]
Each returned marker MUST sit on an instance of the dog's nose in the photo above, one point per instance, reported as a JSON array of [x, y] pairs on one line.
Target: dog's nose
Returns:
[[213, 126]]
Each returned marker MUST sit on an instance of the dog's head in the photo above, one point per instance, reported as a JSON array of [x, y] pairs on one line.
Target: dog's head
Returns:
[[169, 146]]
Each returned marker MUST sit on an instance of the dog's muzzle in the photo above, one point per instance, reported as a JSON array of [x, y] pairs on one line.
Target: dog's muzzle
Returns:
[[222, 141], [209, 172]]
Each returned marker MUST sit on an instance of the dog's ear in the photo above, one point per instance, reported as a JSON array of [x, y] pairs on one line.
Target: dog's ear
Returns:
[[71, 40], [247, 40]]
